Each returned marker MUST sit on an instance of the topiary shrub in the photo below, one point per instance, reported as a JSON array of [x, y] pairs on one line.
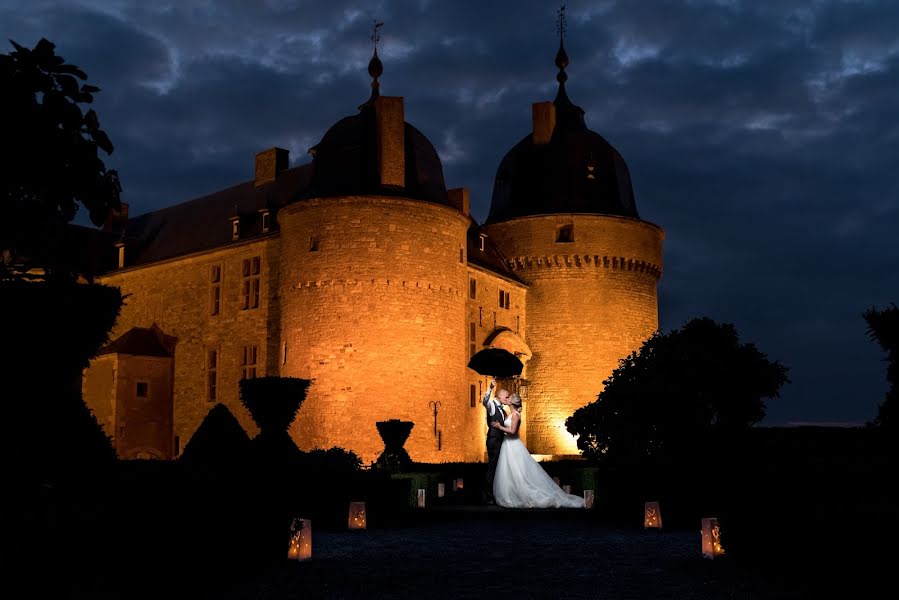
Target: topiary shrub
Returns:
[[218, 443], [394, 433], [273, 402]]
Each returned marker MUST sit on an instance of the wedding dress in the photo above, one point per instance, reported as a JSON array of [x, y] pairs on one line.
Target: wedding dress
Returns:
[[522, 483]]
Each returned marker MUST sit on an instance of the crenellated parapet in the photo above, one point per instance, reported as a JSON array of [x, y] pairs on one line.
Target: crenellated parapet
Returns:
[[584, 261], [382, 283]]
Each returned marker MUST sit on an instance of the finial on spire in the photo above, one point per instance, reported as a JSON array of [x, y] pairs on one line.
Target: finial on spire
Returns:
[[561, 55], [375, 67]]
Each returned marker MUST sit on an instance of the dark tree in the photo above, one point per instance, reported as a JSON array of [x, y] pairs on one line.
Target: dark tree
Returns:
[[49, 162], [683, 393], [883, 327]]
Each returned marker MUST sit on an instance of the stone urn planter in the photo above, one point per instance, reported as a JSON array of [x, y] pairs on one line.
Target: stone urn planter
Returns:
[[394, 433]]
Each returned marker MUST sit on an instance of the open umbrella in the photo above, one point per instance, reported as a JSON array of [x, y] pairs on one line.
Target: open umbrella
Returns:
[[496, 362]]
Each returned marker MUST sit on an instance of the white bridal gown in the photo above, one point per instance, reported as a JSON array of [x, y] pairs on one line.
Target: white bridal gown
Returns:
[[521, 482]]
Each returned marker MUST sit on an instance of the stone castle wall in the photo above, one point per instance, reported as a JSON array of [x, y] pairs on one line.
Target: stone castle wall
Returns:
[[373, 309], [176, 295], [590, 302]]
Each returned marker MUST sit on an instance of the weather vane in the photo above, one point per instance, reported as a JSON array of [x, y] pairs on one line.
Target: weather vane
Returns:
[[376, 32], [560, 22]]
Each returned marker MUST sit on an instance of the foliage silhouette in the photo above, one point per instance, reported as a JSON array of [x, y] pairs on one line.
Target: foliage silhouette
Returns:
[[49, 161], [273, 402], [50, 331], [883, 327], [218, 443], [683, 394], [394, 433]]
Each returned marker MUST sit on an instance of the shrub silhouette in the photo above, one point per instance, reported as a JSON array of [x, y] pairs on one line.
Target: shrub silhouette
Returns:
[[218, 443], [273, 402], [684, 394], [394, 433], [883, 327]]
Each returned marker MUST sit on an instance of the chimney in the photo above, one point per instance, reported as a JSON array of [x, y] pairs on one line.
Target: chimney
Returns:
[[116, 219], [120, 248], [269, 163], [391, 141], [459, 199], [544, 120]]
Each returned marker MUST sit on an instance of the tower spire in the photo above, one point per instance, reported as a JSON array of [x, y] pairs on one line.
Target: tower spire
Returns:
[[561, 55], [375, 67], [568, 115]]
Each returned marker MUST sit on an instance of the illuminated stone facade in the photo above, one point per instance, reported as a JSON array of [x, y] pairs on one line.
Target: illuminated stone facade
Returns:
[[361, 272]]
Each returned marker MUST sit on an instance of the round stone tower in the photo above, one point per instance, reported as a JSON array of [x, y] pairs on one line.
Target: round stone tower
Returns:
[[564, 215], [373, 275]]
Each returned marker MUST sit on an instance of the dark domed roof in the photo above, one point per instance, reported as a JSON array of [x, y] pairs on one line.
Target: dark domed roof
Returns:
[[345, 161], [578, 171]]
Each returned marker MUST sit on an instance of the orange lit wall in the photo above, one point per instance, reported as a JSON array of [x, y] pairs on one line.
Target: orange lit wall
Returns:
[[590, 302], [376, 317]]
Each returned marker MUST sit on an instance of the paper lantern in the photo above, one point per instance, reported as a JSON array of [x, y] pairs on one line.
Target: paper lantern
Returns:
[[356, 519], [300, 547], [441, 490], [588, 498], [652, 516], [557, 480], [421, 499], [566, 489], [711, 539]]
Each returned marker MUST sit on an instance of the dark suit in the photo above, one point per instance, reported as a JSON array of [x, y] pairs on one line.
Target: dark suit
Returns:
[[494, 441]]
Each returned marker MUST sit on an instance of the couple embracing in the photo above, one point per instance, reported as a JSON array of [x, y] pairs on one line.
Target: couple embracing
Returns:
[[514, 478]]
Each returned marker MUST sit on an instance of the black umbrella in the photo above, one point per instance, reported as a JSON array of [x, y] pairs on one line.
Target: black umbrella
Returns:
[[496, 362]]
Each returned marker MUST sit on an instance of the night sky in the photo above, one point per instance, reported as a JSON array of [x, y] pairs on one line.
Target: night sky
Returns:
[[763, 136]]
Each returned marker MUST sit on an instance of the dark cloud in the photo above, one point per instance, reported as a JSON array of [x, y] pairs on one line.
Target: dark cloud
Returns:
[[763, 136]]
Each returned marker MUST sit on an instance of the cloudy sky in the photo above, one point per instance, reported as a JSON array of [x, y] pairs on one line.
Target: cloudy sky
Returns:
[[762, 135]]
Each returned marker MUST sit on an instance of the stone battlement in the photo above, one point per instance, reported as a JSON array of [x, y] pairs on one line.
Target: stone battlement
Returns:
[[567, 261]]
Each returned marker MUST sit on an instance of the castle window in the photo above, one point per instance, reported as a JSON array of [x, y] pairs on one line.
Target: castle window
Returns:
[[212, 359], [481, 316], [517, 323], [473, 396], [215, 289], [481, 239], [266, 221], [250, 287], [472, 339], [472, 288], [142, 390], [565, 234], [313, 244], [248, 362], [504, 299], [177, 445], [235, 228], [284, 354], [461, 255]]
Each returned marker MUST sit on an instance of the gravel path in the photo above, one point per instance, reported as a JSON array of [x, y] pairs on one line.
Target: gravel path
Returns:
[[500, 554]]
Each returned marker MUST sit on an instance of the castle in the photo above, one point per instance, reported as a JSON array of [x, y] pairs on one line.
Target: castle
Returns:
[[362, 272]]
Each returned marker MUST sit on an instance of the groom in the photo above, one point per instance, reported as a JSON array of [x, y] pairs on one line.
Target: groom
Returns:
[[494, 436]]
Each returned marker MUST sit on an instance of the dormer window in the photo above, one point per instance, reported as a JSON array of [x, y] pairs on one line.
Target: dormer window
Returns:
[[266, 221], [565, 234], [481, 239], [235, 228]]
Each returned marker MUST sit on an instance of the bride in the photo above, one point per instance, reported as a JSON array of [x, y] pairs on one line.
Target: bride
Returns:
[[520, 480]]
